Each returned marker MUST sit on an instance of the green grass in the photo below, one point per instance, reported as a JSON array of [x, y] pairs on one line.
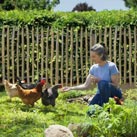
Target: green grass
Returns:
[[19, 120]]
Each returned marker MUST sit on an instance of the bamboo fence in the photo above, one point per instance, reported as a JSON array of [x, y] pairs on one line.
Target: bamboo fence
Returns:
[[63, 56]]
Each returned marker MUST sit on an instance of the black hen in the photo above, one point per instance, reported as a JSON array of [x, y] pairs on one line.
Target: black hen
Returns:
[[49, 95], [26, 85]]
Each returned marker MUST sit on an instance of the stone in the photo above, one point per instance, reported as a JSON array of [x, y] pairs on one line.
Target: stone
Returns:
[[58, 131]]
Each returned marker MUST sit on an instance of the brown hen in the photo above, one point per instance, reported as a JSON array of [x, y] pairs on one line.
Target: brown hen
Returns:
[[30, 96]]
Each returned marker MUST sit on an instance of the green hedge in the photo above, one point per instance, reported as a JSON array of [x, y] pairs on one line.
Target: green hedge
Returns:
[[90, 19]]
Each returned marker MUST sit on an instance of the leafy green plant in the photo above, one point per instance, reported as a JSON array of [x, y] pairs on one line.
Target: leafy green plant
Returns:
[[68, 19], [114, 120]]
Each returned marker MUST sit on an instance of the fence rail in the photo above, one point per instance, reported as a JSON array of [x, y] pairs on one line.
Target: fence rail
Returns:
[[63, 56]]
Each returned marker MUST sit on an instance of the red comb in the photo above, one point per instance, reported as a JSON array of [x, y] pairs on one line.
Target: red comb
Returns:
[[43, 81]]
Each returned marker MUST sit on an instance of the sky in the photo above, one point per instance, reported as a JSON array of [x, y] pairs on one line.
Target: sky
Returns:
[[99, 5]]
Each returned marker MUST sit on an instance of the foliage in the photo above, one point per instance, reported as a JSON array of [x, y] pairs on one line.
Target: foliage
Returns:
[[114, 120], [131, 4], [83, 7], [60, 20], [111, 120], [131, 94], [28, 4]]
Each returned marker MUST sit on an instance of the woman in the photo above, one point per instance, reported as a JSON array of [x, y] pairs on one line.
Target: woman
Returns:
[[103, 73]]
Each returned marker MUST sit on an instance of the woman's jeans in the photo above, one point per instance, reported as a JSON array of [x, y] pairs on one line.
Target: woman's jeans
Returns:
[[105, 91]]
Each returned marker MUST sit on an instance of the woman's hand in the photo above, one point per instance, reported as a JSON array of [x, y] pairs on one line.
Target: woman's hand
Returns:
[[94, 79], [64, 89], [84, 86]]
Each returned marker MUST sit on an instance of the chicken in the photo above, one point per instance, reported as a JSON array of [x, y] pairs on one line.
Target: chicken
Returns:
[[118, 101], [30, 96], [25, 85], [49, 95], [11, 89]]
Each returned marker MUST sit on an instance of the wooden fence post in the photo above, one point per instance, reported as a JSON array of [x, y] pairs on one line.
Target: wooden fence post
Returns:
[[57, 58], [3, 53], [135, 56]]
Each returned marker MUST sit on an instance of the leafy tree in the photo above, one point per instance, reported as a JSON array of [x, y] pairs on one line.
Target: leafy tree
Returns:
[[28, 4], [83, 7], [131, 3]]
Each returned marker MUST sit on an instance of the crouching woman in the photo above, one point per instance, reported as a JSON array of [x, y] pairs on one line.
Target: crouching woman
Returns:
[[104, 74]]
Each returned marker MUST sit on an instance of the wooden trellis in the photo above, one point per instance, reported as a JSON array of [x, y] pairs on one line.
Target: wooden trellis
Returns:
[[63, 56]]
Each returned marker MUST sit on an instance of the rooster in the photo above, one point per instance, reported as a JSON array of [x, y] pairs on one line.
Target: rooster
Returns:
[[25, 85], [11, 89], [49, 95], [30, 96]]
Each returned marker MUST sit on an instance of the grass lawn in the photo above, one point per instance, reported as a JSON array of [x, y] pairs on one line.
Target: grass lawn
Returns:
[[19, 120]]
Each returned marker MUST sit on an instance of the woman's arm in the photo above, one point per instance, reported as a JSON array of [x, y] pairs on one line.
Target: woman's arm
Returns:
[[115, 80], [84, 86]]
